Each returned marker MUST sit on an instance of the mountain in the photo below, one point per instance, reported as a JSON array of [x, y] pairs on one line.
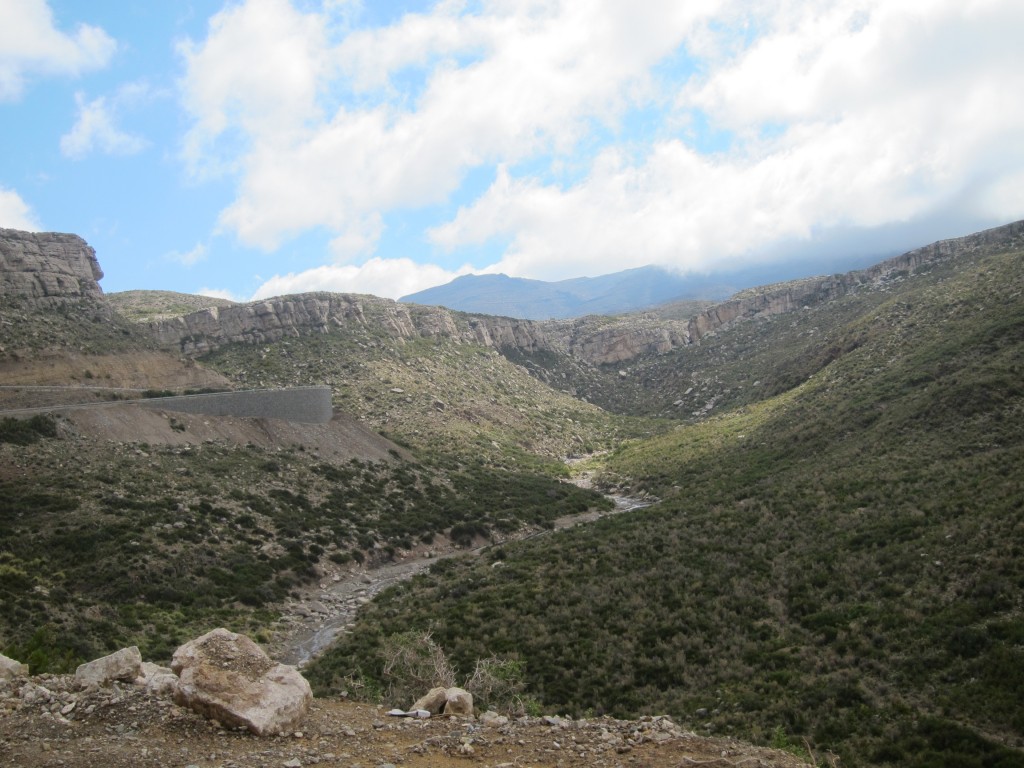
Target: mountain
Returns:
[[505, 296], [832, 562], [836, 550]]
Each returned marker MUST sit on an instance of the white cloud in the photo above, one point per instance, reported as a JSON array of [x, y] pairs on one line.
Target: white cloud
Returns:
[[218, 293], [516, 79], [190, 258], [95, 128], [390, 278], [31, 44], [823, 115], [846, 114], [256, 75], [15, 213]]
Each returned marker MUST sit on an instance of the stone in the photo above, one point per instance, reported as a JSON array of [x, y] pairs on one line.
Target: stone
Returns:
[[10, 669], [459, 702], [228, 678], [47, 269], [493, 719], [433, 702], [149, 671], [125, 664], [162, 684]]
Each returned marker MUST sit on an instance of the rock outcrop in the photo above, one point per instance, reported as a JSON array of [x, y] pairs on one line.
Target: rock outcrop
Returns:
[[786, 297], [312, 313], [45, 269], [637, 335], [228, 678]]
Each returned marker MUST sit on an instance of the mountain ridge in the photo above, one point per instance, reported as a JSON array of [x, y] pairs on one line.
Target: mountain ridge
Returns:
[[626, 291], [837, 460]]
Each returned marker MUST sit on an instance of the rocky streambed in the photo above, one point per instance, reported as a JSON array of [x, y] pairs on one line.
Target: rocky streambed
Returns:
[[312, 622]]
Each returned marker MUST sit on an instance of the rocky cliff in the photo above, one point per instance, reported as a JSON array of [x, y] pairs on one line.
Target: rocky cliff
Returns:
[[786, 297], [44, 269], [310, 313], [597, 341]]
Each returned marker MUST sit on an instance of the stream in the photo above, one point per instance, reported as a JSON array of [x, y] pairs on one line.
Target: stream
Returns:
[[309, 625]]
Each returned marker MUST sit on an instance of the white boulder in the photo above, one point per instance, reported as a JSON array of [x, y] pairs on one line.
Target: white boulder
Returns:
[[10, 669], [227, 677], [125, 664]]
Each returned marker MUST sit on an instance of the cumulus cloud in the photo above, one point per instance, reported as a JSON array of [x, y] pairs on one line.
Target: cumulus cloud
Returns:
[[15, 213], [517, 79], [695, 135], [390, 278], [31, 44], [849, 114], [95, 128]]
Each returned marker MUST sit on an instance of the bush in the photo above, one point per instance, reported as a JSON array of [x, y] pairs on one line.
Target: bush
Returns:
[[27, 431]]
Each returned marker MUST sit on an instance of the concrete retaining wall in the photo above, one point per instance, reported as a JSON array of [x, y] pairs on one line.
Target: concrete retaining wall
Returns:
[[304, 404]]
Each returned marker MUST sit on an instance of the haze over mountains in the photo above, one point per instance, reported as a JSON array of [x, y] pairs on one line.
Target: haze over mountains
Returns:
[[620, 292], [835, 552], [627, 291]]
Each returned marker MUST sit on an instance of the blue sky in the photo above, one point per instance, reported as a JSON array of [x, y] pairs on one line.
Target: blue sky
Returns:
[[258, 147]]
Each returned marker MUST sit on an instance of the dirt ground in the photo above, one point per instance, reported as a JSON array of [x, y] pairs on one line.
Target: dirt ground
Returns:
[[45, 721]]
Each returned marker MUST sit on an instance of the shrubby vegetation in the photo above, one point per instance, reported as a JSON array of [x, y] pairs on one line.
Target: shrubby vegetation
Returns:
[[841, 558], [27, 431], [150, 545]]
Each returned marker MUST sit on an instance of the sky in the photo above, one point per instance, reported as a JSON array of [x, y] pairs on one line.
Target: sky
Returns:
[[253, 148]]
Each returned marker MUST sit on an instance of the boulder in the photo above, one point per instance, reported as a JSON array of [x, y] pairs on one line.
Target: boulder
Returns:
[[125, 665], [433, 702], [227, 677], [10, 669], [160, 681], [447, 701], [460, 702]]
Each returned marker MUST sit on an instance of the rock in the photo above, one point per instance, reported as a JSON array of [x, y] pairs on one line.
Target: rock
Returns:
[[434, 702], [493, 719], [125, 664], [162, 685], [151, 670], [448, 701], [32, 694], [10, 669], [47, 269], [459, 702], [227, 677]]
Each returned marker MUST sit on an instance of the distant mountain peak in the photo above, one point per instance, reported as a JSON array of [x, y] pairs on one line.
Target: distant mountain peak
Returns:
[[499, 294]]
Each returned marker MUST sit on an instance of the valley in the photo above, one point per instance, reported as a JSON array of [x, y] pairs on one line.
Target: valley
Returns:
[[833, 563]]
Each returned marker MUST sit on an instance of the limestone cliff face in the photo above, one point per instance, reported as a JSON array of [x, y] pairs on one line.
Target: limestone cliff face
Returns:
[[625, 341], [786, 297], [303, 314], [597, 343], [44, 269]]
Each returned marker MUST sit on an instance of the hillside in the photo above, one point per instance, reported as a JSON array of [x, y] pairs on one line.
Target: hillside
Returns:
[[123, 525], [145, 306], [836, 556], [838, 553]]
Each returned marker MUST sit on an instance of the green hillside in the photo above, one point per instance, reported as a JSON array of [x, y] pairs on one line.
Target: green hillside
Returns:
[[839, 553], [107, 545]]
